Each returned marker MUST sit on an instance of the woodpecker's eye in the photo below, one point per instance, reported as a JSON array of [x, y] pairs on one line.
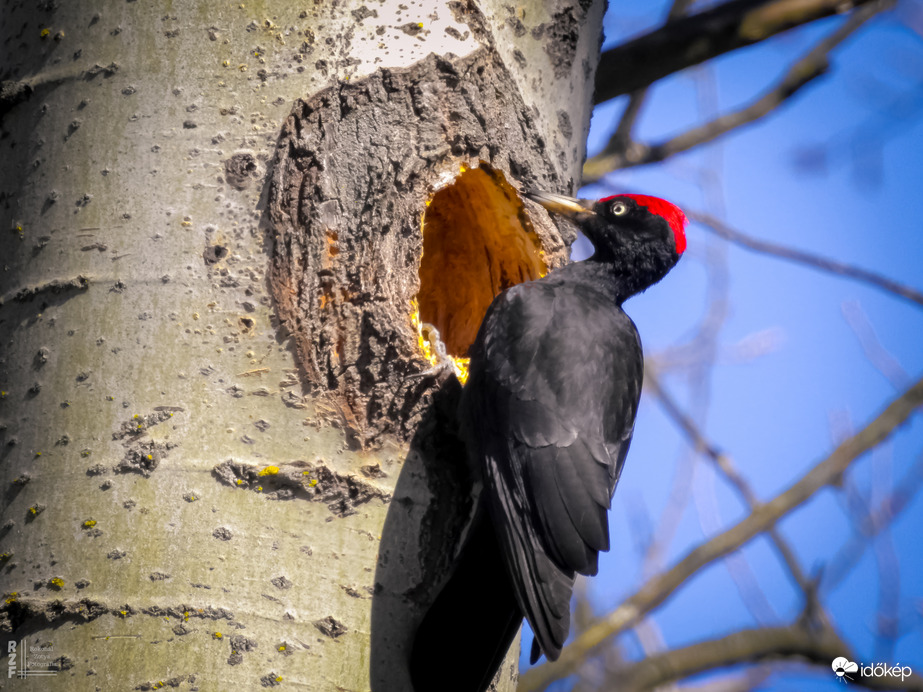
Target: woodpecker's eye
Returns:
[[619, 208]]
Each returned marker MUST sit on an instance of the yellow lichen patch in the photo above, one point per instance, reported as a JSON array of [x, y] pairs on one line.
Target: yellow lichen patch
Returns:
[[461, 366], [217, 635], [89, 523], [422, 342], [57, 583], [269, 471], [477, 241]]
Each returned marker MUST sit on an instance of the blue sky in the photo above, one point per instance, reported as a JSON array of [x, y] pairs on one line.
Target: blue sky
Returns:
[[780, 413]]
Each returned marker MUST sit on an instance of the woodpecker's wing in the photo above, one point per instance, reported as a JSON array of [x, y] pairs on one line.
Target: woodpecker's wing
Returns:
[[548, 412]]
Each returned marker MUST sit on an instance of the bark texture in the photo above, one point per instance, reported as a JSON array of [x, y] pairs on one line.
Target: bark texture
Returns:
[[187, 362], [357, 165]]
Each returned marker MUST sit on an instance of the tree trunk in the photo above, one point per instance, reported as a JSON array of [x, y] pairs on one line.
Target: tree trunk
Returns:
[[213, 382]]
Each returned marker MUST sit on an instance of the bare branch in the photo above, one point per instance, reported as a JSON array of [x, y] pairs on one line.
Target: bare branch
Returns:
[[763, 516], [803, 71], [743, 646], [621, 138], [703, 36], [727, 468], [747, 646], [806, 258], [622, 135]]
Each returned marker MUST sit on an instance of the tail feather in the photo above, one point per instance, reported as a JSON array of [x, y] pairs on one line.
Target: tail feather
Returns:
[[542, 589], [468, 630]]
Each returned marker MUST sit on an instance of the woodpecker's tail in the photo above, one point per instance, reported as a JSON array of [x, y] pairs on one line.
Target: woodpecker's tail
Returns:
[[467, 632]]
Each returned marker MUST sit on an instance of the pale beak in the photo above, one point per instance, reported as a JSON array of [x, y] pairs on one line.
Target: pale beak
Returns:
[[559, 204]]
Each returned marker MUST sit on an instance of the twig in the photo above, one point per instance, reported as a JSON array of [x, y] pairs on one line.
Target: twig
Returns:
[[889, 577], [803, 71], [763, 516], [704, 342], [670, 518], [877, 355], [806, 258], [889, 509], [727, 468], [703, 36], [887, 619]]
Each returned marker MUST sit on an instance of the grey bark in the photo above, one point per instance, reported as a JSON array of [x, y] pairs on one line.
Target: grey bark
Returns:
[[185, 501]]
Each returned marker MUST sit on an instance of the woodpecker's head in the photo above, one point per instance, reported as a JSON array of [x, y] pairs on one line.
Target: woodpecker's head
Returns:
[[641, 235]]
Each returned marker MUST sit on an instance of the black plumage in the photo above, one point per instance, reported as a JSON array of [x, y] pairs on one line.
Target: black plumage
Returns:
[[547, 415]]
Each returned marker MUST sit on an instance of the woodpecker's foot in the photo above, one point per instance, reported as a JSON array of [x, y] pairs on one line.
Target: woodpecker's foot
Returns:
[[444, 366]]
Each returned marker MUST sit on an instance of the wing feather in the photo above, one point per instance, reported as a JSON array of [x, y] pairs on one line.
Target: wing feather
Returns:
[[548, 416], [542, 589]]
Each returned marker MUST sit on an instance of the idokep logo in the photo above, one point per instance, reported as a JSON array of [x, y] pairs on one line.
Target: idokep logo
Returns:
[[846, 670]]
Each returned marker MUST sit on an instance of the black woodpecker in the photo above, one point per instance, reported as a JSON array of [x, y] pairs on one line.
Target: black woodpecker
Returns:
[[547, 416]]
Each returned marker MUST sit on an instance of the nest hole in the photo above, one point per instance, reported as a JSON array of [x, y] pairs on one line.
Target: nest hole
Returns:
[[477, 241]]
